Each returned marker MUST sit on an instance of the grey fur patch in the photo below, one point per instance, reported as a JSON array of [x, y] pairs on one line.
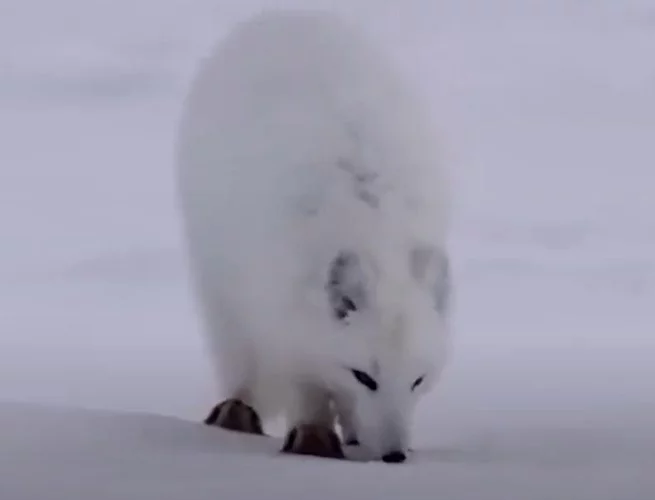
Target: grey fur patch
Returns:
[[431, 265], [442, 289], [363, 182], [345, 284], [419, 261], [369, 198]]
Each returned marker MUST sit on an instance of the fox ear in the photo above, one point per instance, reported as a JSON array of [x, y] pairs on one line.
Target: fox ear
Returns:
[[345, 285], [430, 266]]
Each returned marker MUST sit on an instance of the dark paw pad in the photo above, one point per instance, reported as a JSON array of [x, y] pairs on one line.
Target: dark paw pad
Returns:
[[235, 415], [315, 440]]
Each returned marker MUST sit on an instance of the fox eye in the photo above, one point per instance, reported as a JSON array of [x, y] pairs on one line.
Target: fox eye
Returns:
[[417, 382], [365, 379]]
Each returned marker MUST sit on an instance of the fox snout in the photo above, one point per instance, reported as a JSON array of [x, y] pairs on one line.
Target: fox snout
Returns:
[[394, 443], [387, 441]]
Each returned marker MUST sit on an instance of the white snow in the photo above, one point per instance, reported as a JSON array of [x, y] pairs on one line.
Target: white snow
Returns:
[[549, 113], [72, 454]]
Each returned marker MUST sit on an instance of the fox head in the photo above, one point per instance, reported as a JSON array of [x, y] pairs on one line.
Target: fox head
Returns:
[[389, 345]]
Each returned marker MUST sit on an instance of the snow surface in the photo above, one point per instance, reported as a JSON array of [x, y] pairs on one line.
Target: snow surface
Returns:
[[548, 111], [71, 454]]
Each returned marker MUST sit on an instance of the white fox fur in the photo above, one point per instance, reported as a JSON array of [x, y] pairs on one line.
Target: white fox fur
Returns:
[[315, 208]]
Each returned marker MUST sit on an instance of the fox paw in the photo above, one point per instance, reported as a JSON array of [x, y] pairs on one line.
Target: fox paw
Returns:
[[235, 415], [316, 440]]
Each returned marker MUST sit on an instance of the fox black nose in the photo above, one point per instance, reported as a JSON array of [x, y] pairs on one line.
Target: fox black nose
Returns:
[[394, 457]]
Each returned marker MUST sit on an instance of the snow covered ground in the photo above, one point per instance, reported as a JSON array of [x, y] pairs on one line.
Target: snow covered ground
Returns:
[[548, 110]]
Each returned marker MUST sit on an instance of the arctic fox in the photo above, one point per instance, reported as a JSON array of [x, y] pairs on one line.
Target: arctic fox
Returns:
[[315, 211]]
